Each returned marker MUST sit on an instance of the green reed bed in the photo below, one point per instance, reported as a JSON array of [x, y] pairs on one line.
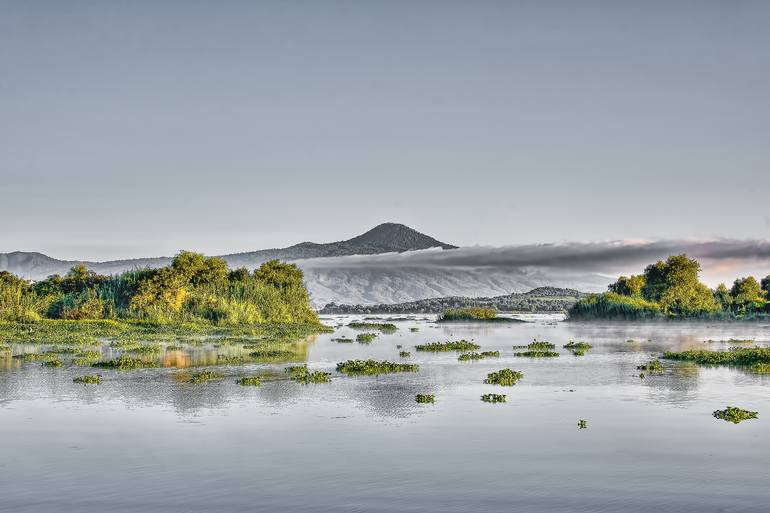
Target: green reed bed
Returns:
[[374, 367], [504, 377], [735, 415], [89, 379], [493, 398], [439, 347]]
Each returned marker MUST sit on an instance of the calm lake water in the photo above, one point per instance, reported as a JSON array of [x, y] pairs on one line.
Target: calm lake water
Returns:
[[146, 441]]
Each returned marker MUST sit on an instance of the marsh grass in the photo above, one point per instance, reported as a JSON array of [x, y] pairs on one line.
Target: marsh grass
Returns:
[[374, 367], [735, 415], [458, 346], [504, 377]]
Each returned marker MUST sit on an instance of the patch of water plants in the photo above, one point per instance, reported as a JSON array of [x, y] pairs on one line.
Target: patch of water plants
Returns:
[[404, 354], [365, 338], [204, 377], [653, 367], [578, 348], [537, 354], [752, 358], [735, 415], [493, 398], [465, 357], [457, 345], [301, 374], [249, 381], [505, 377], [374, 367], [343, 340], [55, 362], [539, 345], [125, 362], [582, 424], [425, 398], [89, 379], [384, 327]]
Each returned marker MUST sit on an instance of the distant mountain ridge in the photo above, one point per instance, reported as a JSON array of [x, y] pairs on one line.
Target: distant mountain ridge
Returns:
[[384, 238]]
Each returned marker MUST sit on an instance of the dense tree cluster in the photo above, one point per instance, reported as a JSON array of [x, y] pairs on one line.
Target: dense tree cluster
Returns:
[[671, 288], [193, 288]]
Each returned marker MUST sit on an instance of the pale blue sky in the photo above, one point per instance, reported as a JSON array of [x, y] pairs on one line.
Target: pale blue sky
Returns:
[[138, 128]]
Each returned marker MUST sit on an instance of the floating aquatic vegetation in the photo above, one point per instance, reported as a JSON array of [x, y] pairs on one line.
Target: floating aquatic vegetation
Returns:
[[270, 355], [760, 368], [365, 338], [653, 367], [62, 350], [125, 345], [404, 354], [301, 374], [582, 424], [739, 356], [148, 349], [226, 359], [343, 340], [384, 327], [732, 341], [458, 345], [478, 356], [125, 362], [540, 346], [54, 362], [249, 381], [37, 357], [91, 379], [578, 348], [205, 377], [505, 377], [537, 354], [493, 398], [425, 398], [735, 415], [374, 367]]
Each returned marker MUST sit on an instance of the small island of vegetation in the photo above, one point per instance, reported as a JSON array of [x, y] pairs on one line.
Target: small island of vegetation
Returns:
[[472, 313], [672, 289]]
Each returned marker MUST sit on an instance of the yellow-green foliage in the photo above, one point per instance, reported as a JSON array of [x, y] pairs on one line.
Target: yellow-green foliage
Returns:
[[468, 313], [193, 289]]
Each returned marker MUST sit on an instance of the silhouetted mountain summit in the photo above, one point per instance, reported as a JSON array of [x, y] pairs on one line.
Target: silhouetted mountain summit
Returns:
[[384, 238]]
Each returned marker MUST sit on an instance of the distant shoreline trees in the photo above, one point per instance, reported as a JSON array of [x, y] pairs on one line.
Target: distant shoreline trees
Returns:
[[671, 289]]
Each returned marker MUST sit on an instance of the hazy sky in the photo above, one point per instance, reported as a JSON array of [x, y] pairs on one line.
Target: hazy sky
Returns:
[[138, 128]]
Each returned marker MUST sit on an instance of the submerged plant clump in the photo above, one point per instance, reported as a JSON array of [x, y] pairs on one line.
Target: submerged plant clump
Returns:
[[458, 345], [365, 338], [301, 374], [425, 398], [505, 377], [478, 356], [92, 379], [384, 327], [374, 367], [735, 415], [125, 362], [493, 398], [249, 381], [204, 377]]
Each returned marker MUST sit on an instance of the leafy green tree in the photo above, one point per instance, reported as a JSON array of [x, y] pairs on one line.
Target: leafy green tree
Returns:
[[675, 286], [747, 294], [629, 286], [198, 269], [766, 286], [279, 274], [723, 297], [239, 275]]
